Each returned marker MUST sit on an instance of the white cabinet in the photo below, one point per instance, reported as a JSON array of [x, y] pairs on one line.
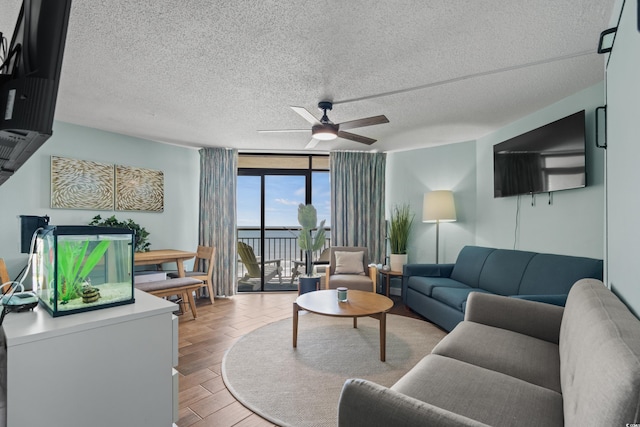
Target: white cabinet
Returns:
[[104, 368]]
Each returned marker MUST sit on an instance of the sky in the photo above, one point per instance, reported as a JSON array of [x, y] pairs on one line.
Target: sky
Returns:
[[283, 194]]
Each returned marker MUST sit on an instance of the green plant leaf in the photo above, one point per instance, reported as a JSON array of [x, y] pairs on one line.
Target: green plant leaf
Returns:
[[304, 240], [140, 234], [318, 241], [307, 216], [64, 261], [401, 221], [70, 256], [94, 257], [78, 261]]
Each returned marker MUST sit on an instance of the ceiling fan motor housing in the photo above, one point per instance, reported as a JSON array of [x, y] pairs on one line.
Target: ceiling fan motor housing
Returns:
[[325, 105]]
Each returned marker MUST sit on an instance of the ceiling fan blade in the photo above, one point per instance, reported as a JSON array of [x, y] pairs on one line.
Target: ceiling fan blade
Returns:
[[356, 138], [312, 143], [306, 115], [369, 121], [283, 130]]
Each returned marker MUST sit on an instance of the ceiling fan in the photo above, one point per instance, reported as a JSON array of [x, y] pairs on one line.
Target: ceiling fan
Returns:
[[325, 130]]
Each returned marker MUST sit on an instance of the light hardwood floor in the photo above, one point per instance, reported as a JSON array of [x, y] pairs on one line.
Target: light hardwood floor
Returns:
[[204, 399]]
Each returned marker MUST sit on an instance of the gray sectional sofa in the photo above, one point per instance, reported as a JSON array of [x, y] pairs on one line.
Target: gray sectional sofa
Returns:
[[439, 291], [513, 362]]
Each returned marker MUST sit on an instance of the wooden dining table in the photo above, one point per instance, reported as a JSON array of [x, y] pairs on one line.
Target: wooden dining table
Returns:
[[160, 256]]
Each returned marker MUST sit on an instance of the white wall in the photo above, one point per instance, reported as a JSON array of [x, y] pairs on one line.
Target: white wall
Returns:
[[410, 174], [573, 223], [27, 192], [623, 155]]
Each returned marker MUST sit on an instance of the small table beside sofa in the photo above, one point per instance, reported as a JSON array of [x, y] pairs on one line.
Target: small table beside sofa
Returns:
[[439, 292]]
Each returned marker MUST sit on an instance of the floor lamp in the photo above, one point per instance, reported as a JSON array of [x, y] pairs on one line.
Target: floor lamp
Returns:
[[438, 207]]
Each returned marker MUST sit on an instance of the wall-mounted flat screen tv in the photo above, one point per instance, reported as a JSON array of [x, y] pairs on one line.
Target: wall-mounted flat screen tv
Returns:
[[30, 67], [549, 158]]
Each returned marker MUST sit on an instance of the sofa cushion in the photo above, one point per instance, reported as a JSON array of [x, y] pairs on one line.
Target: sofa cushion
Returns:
[[481, 394], [469, 264], [559, 300], [351, 281], [529, 359], [599, 358], [453, 297], [365, 403], [503, 271], [425, 285], [349, 262], [555, 274]]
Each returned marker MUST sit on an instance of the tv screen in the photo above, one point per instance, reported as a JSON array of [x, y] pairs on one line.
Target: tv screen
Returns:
[[29, 79], [549, 158]]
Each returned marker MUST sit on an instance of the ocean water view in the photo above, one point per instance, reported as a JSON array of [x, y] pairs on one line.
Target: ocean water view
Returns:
[[279, 243]]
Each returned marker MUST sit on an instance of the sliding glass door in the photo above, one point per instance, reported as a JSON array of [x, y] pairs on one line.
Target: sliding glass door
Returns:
[[269, 258]]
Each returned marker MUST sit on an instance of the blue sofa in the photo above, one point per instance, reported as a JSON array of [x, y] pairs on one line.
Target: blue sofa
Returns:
[[439, 291]]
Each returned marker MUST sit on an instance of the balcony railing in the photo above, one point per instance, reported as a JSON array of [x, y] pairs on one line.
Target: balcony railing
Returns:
[[279, 243]]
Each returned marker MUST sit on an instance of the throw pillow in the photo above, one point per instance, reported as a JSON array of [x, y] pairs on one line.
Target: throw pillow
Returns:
[[349, 262]]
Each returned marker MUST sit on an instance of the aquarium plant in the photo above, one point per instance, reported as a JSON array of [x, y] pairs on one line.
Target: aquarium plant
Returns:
[[74, 266], [308, 219], [141, 244]]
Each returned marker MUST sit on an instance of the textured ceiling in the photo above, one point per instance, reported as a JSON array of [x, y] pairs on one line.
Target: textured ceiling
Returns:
[[212, 73]]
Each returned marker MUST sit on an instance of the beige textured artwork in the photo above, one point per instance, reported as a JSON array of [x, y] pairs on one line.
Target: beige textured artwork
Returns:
[[139, 189], [81, 184]]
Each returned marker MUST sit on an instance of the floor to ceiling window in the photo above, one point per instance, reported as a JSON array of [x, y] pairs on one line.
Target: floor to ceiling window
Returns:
[[270, 188]]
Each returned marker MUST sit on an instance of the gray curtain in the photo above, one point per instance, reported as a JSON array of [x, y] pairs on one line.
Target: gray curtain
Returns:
[[357, 198], [218, 169]]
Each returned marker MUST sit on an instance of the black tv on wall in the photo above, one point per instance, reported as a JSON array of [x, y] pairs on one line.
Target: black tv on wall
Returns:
[[29, 79], [549, 158]]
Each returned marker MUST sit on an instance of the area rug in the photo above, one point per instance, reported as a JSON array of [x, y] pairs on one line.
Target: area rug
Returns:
[[301, 386]]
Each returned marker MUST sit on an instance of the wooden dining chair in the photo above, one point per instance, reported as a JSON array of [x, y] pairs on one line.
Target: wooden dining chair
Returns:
[[4, 276], [206, 255]]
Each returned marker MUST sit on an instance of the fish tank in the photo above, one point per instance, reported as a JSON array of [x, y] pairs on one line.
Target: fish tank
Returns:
[[82, 268]]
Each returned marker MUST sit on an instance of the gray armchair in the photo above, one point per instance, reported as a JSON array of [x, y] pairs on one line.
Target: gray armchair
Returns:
[[344, 269]]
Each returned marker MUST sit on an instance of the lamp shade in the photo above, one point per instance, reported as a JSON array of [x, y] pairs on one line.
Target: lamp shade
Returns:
[[438, 206]]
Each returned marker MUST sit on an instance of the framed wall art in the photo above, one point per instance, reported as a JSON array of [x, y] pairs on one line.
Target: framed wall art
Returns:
[[139, 189], [81, 184]]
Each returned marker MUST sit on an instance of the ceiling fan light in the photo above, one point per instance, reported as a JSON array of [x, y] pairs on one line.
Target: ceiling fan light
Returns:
[[324, 132], [325, 136]]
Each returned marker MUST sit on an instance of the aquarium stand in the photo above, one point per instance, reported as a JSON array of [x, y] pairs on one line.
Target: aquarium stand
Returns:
[[101, 368]]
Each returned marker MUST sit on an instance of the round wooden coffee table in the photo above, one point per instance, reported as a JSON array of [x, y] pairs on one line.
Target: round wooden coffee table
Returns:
[[359, 304]]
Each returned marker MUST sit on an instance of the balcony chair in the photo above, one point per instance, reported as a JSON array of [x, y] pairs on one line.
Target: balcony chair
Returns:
[[206, 254], [350, 269], [272, 268], [319, 265]]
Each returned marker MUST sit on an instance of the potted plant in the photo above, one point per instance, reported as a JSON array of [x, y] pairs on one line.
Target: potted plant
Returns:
[[308, 219], [140, 233], [401, 220]]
